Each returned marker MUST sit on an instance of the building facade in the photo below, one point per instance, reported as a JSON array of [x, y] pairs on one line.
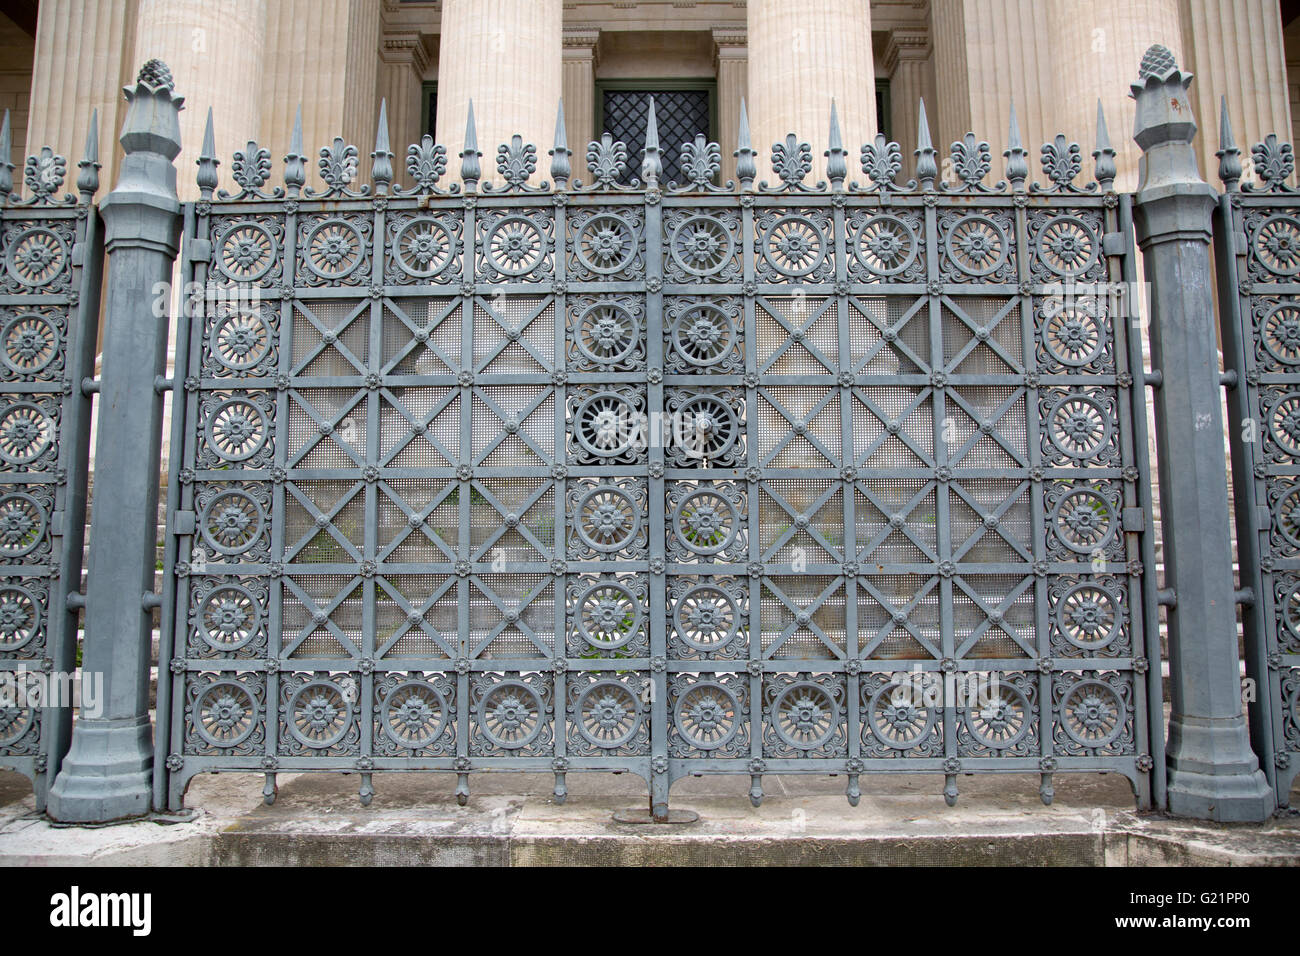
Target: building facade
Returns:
[[255, 62]]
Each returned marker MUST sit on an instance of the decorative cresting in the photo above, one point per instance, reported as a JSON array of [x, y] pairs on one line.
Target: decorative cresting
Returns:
[[50, 246], [665, 478], [1257, 244]]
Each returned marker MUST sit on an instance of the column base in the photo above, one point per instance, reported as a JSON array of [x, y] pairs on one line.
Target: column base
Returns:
[[1213, 773], [108, 773]]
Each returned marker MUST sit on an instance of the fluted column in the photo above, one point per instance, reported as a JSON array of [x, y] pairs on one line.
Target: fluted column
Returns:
[[986, 54], [1236, 50], [1094, 53], [579, 86], [911, 78], [401, 83], [215, 47], [324, 55], [82, 60], [806, 54], [505, 55], [731, 55]]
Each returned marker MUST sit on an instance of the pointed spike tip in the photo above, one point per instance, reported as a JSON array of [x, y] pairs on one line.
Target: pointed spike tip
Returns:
[[1013, 136], [923, 130], [295, 140], [836, 140], [561, 136]]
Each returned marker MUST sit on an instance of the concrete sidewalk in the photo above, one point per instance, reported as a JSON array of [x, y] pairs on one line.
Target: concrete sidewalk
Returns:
[[512, 819]]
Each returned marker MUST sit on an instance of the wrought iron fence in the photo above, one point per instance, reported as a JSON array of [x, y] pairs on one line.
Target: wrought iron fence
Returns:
[[51, 249], [1258, 257], [668, 478]]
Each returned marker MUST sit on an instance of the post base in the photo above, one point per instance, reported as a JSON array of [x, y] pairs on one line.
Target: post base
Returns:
[[1213, 773], [108, 773]]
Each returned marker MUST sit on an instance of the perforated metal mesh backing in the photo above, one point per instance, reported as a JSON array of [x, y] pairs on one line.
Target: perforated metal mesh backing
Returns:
[[797, 483]]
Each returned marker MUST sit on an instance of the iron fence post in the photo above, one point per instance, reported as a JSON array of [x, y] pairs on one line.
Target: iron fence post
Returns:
[[1213, 773], [108, 771]]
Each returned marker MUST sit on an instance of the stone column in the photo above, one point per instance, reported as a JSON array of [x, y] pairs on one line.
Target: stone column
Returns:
[[806, 54], [107, 774], [402, 84], [82, 61], [1213, 773], [986, 54], [731, 57], [581, 124], [216, 47], [324, 55], [1236, 50], [911, 78], [505, 55], [1092, 52]]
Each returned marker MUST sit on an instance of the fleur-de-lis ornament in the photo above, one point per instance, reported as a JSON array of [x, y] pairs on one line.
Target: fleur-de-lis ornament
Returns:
[[1274, 162], [516, 161], [791, 160], [700, 161], [251, 167], [44, 175], [607, 161], [881, 162], [971, 161], [338, 164], [1062, 161], [426, 163]]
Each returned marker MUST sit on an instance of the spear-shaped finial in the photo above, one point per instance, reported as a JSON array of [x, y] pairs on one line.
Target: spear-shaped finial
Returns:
[[295, 166], [927, 168], [88, 178], [207, 161], [6, 167], [560, 168], [652, 166], [470, 171], [381, 170], [1104, 154], [837, 167], [746, 167], [1230, 168], [1016, 155]]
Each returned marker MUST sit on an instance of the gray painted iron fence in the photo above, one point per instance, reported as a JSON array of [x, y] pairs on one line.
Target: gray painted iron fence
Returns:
[[667, 479]]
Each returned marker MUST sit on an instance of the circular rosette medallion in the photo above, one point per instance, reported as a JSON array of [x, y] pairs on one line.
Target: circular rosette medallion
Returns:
[[237, 429], [706, 521], [320, 714], [1072, 335], [606, 243], [885, 245], [20, 617], [1284, 423], [608, 714], [37, 257], [1277, 245], [22, 524], [229, 617], [898, 716], [511, 715], [1084, 520], [240, 340], [607, 425], [705, 427], [1088, 616], [707, 716], [609, 615], [515, 246], [1288, 516], [14, 722], [1280, 333], [794, 246], [1093, 714], [706, 618], [805, 715], [607, 333], [415, 714], [977, 245], [246, 252], [608, 518], [703, 335], [1066, 246], [30, 343], [423, 248], [26, 432], [1001, 718], [232, 521], [1079, 425], [225, 714], [702, 246], [334, 249], [1288, 610]]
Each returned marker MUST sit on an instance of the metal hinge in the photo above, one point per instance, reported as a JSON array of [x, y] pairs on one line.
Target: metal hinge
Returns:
[[183, 523], [198, 250], [1135, 519], [1114, 244]]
